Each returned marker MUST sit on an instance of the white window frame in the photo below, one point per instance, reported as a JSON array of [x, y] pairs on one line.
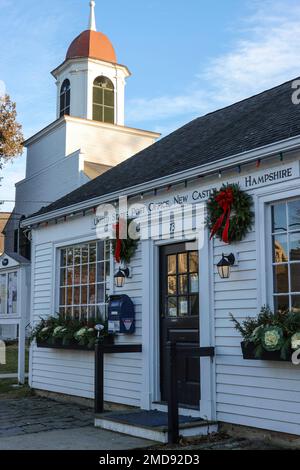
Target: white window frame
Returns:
[[57, 262], [270, 255], [263, 200]]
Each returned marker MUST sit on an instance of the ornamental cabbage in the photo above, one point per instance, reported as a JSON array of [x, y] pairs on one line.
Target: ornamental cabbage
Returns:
[[272, 338], [295, 341]]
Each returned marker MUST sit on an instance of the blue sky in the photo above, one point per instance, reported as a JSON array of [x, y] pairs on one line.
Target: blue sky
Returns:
[[186, 58]]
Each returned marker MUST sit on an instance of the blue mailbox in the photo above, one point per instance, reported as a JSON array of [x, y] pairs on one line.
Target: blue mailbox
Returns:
[[121, 315]]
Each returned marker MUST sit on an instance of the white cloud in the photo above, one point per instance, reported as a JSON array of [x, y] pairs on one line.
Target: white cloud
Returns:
[[265, 55]]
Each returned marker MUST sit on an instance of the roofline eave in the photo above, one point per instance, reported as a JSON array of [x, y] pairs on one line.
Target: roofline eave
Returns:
[[290, 144]]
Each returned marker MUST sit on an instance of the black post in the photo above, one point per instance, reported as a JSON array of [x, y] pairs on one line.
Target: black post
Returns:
[[173, 413], [99, 378]]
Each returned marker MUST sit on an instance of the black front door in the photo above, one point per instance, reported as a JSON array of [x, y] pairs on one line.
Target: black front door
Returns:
[[179, 318]]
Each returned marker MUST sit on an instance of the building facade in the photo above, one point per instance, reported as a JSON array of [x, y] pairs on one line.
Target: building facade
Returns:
[[174, 283]]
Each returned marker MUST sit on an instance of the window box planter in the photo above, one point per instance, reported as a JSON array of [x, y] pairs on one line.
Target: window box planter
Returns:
[[248, 350], [73, 345]]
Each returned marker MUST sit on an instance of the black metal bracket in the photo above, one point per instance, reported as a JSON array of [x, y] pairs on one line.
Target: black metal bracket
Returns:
[[100, 350], [185, 349]]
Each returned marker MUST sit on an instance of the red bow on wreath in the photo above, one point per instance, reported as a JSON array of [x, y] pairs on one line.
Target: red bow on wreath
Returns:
[[225, 201], [119, 243]]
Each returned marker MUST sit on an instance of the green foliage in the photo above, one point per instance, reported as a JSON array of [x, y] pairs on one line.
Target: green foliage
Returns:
[[269, 331], [64, 329], [11, 137], [128, 246], [241, 218]]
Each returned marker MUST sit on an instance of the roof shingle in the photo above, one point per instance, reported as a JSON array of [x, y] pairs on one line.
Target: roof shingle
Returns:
[[254, 122]]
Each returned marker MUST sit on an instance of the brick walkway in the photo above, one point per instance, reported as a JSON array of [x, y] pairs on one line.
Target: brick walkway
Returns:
[[33, 415]]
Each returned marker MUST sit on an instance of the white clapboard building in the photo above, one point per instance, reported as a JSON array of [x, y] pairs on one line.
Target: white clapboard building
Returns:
[[174, 282]]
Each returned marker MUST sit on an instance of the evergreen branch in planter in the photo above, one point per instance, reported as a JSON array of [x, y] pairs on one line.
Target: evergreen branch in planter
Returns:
[[269, 332], [60, 330]]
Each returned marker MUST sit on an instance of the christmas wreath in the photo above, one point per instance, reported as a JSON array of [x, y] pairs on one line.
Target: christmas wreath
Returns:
[[123, 249], [230, 215]]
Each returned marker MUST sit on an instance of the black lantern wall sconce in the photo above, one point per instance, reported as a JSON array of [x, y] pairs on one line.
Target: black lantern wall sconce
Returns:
[[121, 276], [225, 264]]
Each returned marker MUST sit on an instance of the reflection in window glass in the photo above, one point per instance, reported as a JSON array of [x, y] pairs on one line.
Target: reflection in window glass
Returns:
[[194, 262], [183, 284], [183, 306], [194, 283], [172, 264], [279, 218], [295, 246], [294, 215], [295, 277], [281, 303], [281, 279], [182, 263], [172, 288], [286, 255], [172, 307], [280, 249], [296, 303]]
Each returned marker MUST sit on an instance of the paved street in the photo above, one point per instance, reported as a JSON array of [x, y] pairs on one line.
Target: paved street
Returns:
[[41, 424]]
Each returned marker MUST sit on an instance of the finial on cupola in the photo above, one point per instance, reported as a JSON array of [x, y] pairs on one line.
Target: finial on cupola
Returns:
[[92, 22]]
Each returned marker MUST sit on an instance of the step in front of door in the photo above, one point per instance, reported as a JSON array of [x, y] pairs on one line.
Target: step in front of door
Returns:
[[152, 425]]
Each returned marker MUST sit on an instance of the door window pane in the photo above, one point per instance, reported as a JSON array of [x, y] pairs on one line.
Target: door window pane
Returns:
[[172, 264], [172, 289], [172, 306], [194, 283], [182, 263], [183, 284], [194, 262], [194, 305], [183, 306]]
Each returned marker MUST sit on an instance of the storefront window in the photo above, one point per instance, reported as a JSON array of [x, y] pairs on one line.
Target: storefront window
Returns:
[[84, 278], [8, 293], [286, 255]]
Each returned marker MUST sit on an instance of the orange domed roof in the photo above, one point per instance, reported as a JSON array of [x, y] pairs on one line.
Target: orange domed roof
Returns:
[[94, 45]]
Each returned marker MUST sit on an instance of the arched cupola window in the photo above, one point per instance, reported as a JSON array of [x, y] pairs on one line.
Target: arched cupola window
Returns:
[[104, 100], [65, 98]]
